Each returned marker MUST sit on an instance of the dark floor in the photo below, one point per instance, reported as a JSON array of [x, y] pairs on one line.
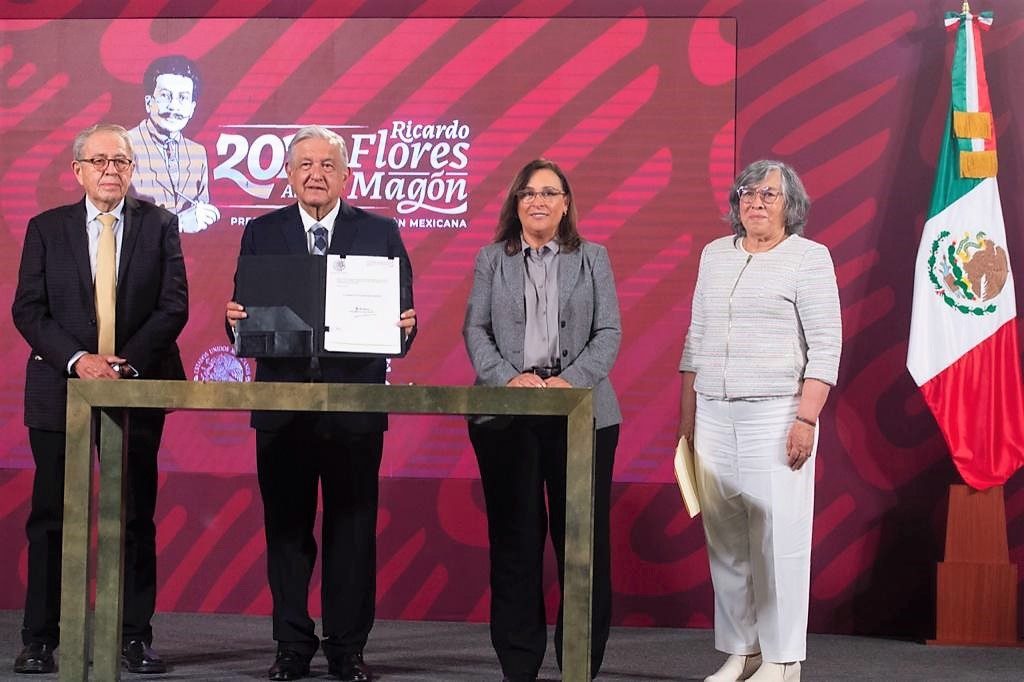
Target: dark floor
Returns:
[[221, 647]]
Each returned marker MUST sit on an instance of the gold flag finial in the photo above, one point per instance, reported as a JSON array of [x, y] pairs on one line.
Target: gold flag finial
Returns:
[[966, 7]]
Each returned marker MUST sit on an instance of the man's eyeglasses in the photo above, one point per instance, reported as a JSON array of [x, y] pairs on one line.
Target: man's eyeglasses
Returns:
[[166, 97], [547, 195], [100, 163], [768, 195]]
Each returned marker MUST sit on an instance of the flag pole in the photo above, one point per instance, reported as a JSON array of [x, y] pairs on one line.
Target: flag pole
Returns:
[[976, 583]]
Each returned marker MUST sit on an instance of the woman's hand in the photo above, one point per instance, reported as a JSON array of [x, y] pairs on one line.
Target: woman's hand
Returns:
[[688, 407], [557, 382], [799, 444], [801, 434], [686, 428], [526, 380]]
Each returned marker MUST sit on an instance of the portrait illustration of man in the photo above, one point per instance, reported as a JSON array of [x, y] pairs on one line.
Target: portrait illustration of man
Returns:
[[171, 170]]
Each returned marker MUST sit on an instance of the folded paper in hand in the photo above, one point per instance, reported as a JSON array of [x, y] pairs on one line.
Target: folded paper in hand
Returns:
[[686, 477]]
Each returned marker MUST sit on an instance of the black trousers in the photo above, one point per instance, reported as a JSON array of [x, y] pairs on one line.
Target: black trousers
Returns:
[[518, 464], [291, 463], [45, 525]]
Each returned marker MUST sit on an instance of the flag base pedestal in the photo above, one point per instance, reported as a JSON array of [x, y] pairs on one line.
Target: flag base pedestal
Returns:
[[976, 595]]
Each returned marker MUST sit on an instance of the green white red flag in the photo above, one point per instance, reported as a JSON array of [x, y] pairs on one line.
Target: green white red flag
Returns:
[[963, 350]]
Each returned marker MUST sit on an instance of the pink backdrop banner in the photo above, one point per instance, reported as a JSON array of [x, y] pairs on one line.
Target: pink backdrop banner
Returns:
[[439, 114], [851, 92]]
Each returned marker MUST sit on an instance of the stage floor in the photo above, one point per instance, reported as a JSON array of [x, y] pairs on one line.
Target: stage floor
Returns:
[[226, 647]]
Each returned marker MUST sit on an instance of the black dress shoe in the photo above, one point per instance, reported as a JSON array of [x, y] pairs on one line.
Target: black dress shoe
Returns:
[[349, 668], [138, 657], [289, 665], [36, 657]]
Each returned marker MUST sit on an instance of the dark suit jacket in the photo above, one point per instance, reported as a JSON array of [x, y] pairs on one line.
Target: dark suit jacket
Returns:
[[55, 307], [358, 233]]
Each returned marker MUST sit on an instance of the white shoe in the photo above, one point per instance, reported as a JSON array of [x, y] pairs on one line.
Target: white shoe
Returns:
[[777, 672], [736, 667]]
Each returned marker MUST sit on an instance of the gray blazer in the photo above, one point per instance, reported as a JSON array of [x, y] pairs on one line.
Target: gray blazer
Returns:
[[588, 314]]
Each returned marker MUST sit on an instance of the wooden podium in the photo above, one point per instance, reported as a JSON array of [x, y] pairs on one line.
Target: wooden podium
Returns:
[[85, 398], [976, 592]]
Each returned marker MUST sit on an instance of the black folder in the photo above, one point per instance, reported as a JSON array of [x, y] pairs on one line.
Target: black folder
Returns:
[[284, 297]]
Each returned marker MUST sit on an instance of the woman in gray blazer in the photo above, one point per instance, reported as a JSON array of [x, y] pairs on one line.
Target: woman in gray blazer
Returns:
[[543, 313]]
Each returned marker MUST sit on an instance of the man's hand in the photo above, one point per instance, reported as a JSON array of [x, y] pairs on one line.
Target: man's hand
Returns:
[[198, 217], [234, 313], [557, 382], [407, 321], [93, 366], [206, 214]]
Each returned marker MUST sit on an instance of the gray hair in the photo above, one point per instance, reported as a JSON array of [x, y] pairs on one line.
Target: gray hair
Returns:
[[82, 137], [796, 203], [320, 133]]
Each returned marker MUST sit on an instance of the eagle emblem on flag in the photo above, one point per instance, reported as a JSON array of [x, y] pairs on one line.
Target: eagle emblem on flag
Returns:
[[968, 271]]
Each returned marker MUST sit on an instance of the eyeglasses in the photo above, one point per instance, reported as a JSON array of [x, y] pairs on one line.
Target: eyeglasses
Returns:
[[166, 97], [547, 195], [768, 194], [100, 163]]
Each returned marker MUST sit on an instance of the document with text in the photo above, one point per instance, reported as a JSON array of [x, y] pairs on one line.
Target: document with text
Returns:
[[362, 305]]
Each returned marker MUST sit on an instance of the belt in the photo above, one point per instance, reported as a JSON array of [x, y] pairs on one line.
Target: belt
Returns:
[[544, 372]]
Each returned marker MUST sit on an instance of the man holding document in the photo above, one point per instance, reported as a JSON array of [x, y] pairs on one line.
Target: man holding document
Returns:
[[340, 450]]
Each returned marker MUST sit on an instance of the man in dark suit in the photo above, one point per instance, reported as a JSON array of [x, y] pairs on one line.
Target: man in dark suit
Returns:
[[341, 451], [75, 331]]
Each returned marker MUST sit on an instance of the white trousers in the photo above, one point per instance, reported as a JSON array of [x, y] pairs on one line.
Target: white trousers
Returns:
[[757, 521]]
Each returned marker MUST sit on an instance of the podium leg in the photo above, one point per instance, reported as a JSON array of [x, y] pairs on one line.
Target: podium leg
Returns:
[[579, 550], [110, 562], [74, 589]]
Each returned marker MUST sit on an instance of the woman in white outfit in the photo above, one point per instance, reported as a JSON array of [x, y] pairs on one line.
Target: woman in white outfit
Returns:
[[760, 357]]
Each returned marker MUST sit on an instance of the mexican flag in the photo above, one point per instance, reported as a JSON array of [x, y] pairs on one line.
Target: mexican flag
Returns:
[[963, 349]]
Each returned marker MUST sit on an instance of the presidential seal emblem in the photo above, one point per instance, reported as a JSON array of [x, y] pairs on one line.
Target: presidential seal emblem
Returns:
[[968, 272], [220, 364]]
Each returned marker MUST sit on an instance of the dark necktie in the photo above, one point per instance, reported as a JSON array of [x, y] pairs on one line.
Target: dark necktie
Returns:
[[319, 240], [171, 154]]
